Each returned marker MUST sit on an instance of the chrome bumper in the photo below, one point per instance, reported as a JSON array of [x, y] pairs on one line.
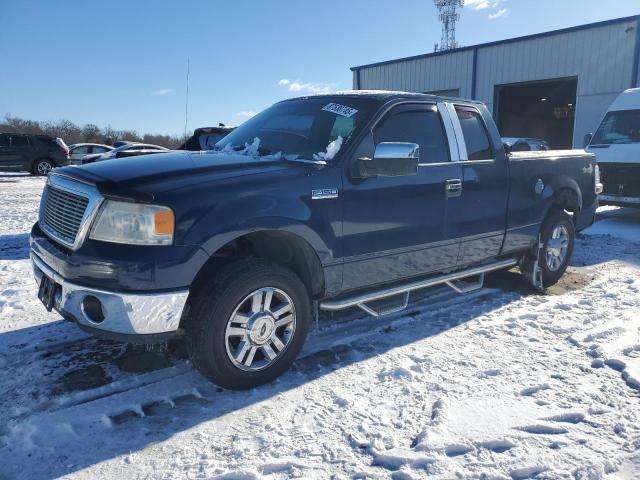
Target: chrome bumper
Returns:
[[124, 313]]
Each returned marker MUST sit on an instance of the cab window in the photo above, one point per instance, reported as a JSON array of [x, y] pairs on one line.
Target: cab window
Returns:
[[475, 134], [416, 124]]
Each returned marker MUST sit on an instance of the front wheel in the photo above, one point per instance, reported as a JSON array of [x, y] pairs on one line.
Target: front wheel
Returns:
[[247, 326], [558, 237]]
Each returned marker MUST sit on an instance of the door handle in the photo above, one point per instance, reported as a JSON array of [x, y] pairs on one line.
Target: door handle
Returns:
[[453, 187]]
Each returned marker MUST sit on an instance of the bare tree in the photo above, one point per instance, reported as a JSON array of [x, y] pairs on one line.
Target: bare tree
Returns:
[[72, 133]]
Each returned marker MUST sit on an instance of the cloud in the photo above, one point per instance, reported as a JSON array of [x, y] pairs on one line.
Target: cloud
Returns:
[[500, 13], [309, 87], [246, 114], [161, 91], [481, 4]]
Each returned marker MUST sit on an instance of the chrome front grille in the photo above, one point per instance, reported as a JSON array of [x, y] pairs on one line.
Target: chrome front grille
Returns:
[[63, 213]]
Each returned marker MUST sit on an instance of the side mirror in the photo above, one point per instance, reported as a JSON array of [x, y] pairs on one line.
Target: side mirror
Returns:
[[587, 139], [390, 160], [508, 148]]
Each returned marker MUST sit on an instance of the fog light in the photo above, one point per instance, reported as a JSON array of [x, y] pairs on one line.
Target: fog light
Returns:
[[92, 308]]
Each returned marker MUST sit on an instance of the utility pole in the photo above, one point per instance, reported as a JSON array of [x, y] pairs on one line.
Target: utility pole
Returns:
[[448, 16], [186, 103]]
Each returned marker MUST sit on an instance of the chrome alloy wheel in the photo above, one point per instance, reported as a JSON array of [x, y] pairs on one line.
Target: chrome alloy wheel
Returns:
[[43, 168], [260, 329], [557, 248]]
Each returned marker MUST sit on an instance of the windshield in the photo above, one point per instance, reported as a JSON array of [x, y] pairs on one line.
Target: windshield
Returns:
[[619, 128], [303, 129]]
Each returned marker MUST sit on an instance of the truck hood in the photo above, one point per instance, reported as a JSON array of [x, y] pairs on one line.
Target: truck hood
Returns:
[[141, 178]]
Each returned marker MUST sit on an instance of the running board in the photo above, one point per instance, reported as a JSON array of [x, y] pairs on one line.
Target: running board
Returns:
[[361, 300]]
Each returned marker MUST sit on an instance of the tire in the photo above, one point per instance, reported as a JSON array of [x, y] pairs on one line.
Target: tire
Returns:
[[558, 238], [42, 167], [230, 339]]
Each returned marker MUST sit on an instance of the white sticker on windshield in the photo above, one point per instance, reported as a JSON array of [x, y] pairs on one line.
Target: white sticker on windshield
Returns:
[[341, 110]]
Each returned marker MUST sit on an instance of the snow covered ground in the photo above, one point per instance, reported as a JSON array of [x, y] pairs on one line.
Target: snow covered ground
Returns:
[[499, 384]]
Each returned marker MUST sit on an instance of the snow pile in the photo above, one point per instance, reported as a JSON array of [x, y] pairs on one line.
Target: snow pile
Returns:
[[500, 384], [332, 150]]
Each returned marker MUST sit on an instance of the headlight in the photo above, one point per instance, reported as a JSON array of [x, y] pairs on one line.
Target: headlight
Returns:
[[133, 223], [598, 180]]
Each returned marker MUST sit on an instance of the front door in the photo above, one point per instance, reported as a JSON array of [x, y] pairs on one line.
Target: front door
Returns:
[[396, 227]]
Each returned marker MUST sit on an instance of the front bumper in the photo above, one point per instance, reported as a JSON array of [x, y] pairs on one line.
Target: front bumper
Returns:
[[136, 317]]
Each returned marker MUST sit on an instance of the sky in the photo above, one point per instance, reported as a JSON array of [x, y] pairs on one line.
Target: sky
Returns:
[[123, 62]]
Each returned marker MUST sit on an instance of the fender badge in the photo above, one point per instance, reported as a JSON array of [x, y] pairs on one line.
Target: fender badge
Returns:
[[324, 193], [539, 186], [588, 170]]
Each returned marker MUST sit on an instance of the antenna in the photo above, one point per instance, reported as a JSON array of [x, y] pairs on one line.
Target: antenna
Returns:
[[448, 16], [186, 103]]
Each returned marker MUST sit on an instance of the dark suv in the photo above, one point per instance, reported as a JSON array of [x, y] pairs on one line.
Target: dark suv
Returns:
[[37, 154], [205, 138]]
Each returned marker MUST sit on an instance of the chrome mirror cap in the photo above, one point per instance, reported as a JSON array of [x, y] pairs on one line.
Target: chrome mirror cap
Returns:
[[397, 150]]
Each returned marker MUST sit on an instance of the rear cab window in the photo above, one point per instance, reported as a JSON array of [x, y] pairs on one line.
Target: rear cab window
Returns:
[[475, 134]]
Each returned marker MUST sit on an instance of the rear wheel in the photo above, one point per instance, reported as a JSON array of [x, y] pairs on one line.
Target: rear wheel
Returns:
[[247, 326], [558, 238], [42, 167]]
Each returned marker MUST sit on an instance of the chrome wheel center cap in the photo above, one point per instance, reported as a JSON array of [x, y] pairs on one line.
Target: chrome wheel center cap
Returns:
[[555, 246], [261, 328]]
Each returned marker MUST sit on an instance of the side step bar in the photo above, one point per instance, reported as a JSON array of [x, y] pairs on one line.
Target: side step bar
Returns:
[[448, 279]]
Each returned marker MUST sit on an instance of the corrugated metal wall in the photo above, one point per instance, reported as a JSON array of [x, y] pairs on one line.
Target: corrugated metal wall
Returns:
[[444, 72], [602, 57]]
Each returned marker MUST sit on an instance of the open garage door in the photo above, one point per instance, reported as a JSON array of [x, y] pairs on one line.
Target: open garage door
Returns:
[[544, 110]]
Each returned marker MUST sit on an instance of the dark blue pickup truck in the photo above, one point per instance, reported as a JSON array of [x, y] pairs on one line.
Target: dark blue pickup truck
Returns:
[[318, 203]]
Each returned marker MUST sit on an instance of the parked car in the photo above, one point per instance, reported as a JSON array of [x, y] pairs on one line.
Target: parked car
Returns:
[[126, 150], [326, 202], [79, 150], [526, 144], [617, 146], [37, 154], [206, 138]]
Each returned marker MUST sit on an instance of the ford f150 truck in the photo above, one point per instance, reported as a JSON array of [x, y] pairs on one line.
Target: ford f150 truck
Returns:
[[318, 203]]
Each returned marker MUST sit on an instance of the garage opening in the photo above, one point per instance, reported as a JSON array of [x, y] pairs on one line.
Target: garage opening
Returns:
[[545, 110]]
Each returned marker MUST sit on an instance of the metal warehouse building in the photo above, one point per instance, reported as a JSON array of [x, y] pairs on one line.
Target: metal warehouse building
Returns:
[[555, 86]]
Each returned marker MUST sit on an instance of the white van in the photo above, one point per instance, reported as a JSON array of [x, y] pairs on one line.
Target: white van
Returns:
[[616, 145]]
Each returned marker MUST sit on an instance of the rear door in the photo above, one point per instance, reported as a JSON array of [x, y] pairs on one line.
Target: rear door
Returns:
[[396, 227], [481, 212]]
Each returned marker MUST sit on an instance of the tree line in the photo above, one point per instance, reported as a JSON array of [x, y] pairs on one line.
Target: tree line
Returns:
[[89, 133]]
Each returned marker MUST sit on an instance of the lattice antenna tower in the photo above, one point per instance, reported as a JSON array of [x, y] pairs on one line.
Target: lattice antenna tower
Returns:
[[448, 16]]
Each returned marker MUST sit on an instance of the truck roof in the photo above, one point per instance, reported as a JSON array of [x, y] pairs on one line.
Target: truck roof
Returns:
[[386, 95], [627, 100]]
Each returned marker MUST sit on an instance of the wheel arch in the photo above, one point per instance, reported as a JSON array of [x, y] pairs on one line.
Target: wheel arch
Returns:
[[281, 247], [562, 193]]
